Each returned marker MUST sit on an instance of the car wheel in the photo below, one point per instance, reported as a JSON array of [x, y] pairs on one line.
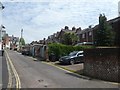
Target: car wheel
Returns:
[[72, 62]]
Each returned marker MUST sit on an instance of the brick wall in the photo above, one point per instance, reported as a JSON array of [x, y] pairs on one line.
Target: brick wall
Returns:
[[102, 63]]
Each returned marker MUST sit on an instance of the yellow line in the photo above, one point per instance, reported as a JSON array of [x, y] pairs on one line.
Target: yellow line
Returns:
[[57, 67], [114, 83], [61, 68], [18, 83], [9, 73]]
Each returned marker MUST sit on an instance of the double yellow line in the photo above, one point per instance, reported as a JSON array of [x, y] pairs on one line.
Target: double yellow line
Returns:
[[11, 66]]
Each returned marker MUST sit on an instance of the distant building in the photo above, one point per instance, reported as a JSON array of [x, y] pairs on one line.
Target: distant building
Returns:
[[119, 8], [85, 36], [65, 30], [14, 42], [6, 41]]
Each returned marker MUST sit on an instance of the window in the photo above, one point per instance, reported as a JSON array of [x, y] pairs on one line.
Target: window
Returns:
[[80, 54], [90, 33], [83, 35]]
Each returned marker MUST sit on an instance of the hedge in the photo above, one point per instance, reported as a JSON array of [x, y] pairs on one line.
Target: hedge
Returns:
[[59, 50]]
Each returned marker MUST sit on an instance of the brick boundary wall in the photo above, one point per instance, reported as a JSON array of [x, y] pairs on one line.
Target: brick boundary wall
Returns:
[[102, 63]]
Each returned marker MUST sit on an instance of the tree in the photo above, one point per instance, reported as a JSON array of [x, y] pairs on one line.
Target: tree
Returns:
[[104, 36], [69, 38], [22, 42]]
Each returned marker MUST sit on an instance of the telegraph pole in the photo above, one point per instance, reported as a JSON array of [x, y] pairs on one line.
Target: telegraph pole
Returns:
[[20, 42], [21, 33]]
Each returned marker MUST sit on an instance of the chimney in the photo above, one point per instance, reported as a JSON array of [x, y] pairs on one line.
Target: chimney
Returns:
[[66, 27], [73, 28]]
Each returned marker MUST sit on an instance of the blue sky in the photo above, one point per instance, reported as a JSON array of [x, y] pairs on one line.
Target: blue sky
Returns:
[[41, 18]]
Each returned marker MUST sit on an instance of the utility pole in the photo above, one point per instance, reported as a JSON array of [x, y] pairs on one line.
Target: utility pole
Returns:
[[21, 33], [20, 42]]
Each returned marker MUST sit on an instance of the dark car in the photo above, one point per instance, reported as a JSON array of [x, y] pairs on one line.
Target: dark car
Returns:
[[25, 52], [72, 58]]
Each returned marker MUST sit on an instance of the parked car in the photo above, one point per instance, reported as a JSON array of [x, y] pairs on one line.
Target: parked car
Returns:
[[25, 52], [72, 58]]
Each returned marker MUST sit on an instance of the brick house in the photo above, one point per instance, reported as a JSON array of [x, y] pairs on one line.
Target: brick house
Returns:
[[6, 41], [57, 37], [86, 36], [14, 42], [53, 38], [66, 30]]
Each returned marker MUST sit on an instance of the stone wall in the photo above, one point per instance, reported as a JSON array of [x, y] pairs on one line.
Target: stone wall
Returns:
[[102, 63]]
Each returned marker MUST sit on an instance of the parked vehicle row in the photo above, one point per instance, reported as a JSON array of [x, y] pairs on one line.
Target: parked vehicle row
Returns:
[[73, 58]]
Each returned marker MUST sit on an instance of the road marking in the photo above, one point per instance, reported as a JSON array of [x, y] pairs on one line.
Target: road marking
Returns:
[[114, 83], [84, 77], [18, 83], [9, 73]]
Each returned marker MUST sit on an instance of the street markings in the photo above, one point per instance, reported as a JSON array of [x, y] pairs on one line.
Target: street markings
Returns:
[[84, 77], [10, 64], [9, 73]]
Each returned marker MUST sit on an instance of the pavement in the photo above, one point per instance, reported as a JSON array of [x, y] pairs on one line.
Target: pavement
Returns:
[[36, 74], [3, 72], [0, 71]]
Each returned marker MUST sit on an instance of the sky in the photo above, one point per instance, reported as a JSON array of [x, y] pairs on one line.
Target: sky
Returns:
[[41, 18]]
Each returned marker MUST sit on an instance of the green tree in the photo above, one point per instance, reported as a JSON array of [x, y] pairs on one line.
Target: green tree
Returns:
[[69, 39], [74, 38], [22, 42], [104, 36]]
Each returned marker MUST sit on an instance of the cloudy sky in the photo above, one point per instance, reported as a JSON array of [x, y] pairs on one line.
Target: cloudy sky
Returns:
[[41, 18]]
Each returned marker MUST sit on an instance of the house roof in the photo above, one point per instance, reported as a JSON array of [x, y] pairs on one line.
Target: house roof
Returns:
[[114, 20], [85, 30]]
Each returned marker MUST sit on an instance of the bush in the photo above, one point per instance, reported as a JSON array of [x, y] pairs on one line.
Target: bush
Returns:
[[58, 50]]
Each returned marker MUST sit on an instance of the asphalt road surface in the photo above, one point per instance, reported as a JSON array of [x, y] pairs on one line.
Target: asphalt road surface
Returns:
[[35, 74]]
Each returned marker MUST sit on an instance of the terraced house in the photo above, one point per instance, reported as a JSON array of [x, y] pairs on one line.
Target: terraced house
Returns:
[[86, 36]]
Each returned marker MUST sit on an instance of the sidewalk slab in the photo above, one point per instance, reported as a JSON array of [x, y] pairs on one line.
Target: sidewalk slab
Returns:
[[0, 72]]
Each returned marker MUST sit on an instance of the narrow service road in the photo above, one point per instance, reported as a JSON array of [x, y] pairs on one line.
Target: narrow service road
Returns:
[[35, 74]]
